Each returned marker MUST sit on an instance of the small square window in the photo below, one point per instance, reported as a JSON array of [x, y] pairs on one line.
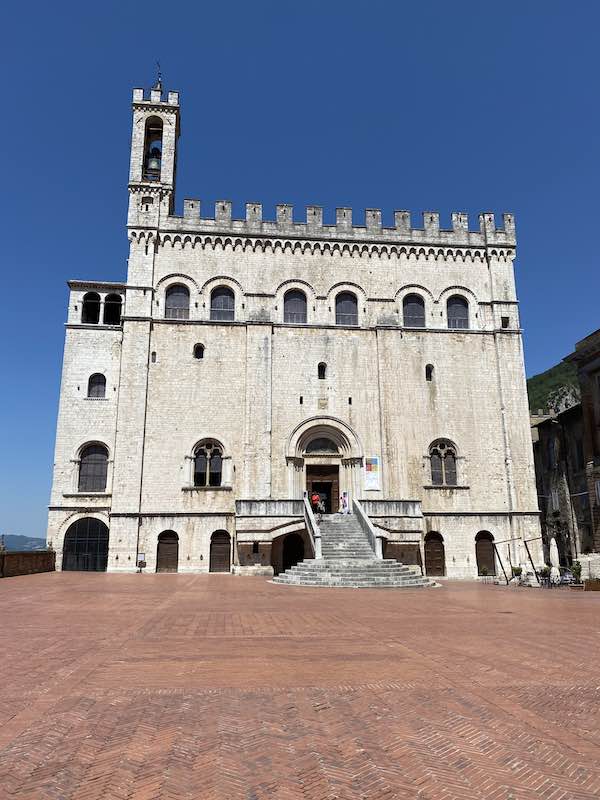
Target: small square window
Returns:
[[505, 322]]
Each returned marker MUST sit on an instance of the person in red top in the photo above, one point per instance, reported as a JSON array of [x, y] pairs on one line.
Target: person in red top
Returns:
[[315, 499]]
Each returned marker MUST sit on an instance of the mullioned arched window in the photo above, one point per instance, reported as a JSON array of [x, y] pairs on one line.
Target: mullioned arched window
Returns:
[[442, 456], [208, 463]]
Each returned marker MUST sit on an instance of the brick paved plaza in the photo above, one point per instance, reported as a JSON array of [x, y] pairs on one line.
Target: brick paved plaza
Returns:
[[211, 686]]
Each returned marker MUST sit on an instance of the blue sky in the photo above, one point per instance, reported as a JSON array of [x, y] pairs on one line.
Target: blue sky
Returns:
[[426, 106]]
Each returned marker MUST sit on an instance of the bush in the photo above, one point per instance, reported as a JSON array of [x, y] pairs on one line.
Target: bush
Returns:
[[483, 571], [576, 570], [545, 571], [517, 571]]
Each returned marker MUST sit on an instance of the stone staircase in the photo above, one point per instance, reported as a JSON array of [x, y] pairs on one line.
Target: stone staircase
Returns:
[[348, 560]]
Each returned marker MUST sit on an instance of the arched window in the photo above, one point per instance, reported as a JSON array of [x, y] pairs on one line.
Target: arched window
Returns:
[[90, 310], [112, 309], [198, 351], [346, 309], [153, 149], [294, 307], [484, 553], [443, 463], [428, 372], [322, 371], [458, 312], [208, 464], [222, 304], [97, 385], [85, 546], [413, 310], [93, 468], [177, 302]]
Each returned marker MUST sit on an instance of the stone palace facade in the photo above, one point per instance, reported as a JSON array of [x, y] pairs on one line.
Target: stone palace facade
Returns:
[[246, 362]]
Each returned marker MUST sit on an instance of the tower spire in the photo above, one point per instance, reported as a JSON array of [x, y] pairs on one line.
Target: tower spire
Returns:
[[158, 77]]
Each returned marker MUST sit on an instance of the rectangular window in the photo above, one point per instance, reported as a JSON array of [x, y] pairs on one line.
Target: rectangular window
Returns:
[[505, 322]]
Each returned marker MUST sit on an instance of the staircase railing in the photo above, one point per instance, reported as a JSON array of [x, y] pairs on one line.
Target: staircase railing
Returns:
[[368, 529], [313, 530]]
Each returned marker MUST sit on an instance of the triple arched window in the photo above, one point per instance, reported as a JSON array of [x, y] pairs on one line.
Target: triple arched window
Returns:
[[208, 464], [93, 468], [458, 312], [222, 304], [177, 302], [346, 309], [413, 311], [442, 456], [294, 307]]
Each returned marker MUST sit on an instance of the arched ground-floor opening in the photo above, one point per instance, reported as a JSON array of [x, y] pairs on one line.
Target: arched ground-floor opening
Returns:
[[220, 552], [435, 557], [484, 552], [167, 552], [293, 550], [85, 546], [289, 549]]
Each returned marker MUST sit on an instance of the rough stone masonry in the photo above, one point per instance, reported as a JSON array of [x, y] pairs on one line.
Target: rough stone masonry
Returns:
[[245, 362]]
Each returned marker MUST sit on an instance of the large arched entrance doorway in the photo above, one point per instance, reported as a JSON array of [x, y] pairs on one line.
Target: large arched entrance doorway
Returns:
[[85, 546], [293, 550], [220, 552], [167, 552], [484, 552], [435, 557], [324, 457]]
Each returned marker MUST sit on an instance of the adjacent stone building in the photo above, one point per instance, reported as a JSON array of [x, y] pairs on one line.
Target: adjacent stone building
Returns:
[[561, 475], [587, 359], [247, 361]]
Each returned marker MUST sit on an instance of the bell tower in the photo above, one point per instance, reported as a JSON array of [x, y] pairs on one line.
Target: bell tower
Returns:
[[153, 165]]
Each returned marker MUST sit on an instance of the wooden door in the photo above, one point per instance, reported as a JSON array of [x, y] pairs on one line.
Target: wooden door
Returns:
[[167, 553], [220, 552], [435, 561], [484, 552]]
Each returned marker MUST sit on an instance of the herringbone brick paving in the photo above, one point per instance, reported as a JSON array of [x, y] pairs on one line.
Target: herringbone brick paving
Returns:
[[172, 687]]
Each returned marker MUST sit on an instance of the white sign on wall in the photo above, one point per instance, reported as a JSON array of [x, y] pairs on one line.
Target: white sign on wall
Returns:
[[372, 473]]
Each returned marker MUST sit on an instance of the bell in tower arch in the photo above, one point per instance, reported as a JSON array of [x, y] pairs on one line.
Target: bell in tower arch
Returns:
[[154, 160], [153, 149]]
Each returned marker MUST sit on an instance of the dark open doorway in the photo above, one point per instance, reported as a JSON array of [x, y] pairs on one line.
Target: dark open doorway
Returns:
[[293, 550], [324, 479]]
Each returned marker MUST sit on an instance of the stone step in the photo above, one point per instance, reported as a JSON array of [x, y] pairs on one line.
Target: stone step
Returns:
[[354, 584]]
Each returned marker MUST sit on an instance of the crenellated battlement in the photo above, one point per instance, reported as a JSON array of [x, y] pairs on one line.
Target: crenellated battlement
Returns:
[[155, 96], [488, 233]]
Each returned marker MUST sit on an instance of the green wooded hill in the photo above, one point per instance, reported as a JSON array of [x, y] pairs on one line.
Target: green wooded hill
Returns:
[[547, 385]]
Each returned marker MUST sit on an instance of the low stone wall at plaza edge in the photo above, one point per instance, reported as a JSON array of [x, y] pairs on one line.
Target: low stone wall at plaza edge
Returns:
[[26, 562]]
